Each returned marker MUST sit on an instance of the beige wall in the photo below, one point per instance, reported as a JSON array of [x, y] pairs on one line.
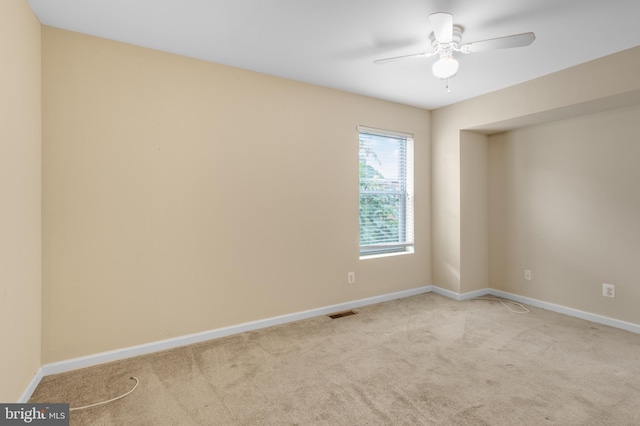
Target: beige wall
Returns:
[[20, 190], [565, 203], [600, 85], [474, 211], [181, 196]]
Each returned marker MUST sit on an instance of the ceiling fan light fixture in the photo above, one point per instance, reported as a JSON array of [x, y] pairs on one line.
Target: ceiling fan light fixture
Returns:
[[445, 67]]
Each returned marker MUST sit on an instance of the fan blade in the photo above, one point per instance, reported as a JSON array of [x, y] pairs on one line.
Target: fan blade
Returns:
[[399, 58], [516, 40], [442, 25]]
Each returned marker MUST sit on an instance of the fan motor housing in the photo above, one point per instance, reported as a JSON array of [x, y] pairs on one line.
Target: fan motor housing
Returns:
[[455, 40]]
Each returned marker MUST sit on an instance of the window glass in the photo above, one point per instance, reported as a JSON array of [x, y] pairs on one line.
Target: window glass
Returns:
[[386, 192]]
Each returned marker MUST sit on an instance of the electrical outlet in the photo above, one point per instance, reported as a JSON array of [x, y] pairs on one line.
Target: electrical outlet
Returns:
[[351, 277], [608, 290], [527, 274]]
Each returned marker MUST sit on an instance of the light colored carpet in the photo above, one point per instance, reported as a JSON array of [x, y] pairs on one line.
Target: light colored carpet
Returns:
[[423, 360]]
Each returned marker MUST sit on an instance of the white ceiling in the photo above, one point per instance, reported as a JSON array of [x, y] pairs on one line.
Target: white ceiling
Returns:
[[333, 43]]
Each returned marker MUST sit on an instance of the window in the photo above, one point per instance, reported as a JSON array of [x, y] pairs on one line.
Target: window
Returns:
[[386, 192]]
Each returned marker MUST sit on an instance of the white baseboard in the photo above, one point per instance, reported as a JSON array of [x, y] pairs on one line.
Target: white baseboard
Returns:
[[115, 355], [459, 296], [599, 319], [118, 354], [33, 384]]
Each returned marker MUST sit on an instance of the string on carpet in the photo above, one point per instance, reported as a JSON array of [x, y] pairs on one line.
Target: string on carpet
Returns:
[[110, 400], [522, 309]]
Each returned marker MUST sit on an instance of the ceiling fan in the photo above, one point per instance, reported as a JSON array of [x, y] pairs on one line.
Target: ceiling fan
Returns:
[[445, 40]]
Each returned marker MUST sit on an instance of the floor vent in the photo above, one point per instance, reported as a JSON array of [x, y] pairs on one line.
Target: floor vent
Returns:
[[342, 314]]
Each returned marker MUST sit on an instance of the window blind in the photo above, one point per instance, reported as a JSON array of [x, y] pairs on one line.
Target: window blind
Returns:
[[386, 191]]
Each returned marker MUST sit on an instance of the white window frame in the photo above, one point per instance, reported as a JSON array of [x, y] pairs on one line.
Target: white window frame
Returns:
[[404, 193]]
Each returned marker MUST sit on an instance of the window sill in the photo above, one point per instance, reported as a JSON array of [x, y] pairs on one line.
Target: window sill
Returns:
[[379, 255]]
